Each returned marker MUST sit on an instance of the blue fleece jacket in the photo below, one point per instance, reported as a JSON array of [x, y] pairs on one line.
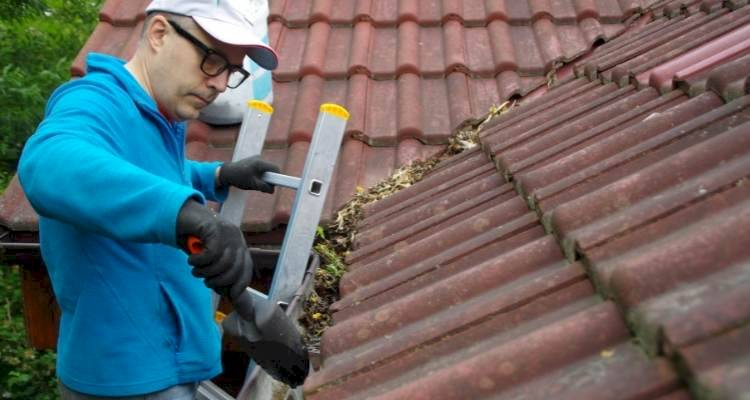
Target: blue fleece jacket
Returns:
[[107, 174]]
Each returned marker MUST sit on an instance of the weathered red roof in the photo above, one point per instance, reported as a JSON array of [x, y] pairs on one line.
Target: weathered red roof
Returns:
[[596, 246], [409, 72]]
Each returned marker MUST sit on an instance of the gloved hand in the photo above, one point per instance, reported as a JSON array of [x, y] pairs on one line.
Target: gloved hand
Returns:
[[246, 174], [225, 262]]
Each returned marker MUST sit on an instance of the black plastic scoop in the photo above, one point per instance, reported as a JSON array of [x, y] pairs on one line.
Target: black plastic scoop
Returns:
[[269, 337], [262, 329]]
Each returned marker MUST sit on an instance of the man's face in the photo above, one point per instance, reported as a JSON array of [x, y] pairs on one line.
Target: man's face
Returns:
[[181, 88]]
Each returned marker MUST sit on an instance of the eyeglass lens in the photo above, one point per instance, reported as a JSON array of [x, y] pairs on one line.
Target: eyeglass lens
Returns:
[[214, 64], [235, 79]]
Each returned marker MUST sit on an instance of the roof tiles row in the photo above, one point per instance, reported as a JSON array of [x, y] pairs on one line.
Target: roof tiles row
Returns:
[[685, 41], [432, 51], [642, 191], [434, 12]]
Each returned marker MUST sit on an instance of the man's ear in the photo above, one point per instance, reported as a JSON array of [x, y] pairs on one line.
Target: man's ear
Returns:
[[156, 31]]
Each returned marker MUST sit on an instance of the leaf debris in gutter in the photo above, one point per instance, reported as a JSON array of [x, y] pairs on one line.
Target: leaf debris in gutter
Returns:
[[336, 241]]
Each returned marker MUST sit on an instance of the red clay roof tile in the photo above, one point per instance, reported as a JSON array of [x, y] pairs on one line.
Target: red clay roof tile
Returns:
[[730, 80], [525, 317], [718, 364], [573, 169], [567, 217], [687, 255], [442, 211], [119, 41], [476, 371], [706, 56], [123, 12], [694, 312], [436, 182], [688, 41], [619, 372], [688, 191], [15, 209]]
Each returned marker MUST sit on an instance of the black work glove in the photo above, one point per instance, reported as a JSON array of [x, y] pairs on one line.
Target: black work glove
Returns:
[[224, 261], [246, 174]]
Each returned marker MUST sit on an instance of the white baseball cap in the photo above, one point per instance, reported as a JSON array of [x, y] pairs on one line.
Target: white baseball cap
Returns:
[[225, 23]]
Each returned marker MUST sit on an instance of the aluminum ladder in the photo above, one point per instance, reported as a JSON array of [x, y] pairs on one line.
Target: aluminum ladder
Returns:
[[311, 189]]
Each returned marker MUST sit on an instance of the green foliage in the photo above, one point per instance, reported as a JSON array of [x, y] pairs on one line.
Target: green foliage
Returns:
[[4, 180], [331, 262], [24, 372], [38, 41], [320, 232], [13, 9], [317, 317]]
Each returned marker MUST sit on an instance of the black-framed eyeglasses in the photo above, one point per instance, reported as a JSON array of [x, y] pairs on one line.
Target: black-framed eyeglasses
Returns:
[[213, 63]]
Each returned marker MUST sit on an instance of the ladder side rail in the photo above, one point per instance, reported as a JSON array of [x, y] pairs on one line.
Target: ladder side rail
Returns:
[[308, 202]]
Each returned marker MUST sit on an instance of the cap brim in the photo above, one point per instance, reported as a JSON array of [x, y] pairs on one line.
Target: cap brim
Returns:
[[261, 53]]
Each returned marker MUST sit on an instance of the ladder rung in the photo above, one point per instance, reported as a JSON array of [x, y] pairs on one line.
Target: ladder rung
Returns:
[[291, 182]]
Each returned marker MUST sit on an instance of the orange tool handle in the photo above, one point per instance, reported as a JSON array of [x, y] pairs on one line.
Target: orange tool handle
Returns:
[[194, 245]]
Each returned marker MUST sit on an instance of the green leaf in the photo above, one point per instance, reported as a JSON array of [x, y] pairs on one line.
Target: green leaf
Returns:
[[320, 232]]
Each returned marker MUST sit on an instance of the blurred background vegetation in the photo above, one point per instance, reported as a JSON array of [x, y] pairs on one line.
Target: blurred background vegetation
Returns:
[[38, 41]]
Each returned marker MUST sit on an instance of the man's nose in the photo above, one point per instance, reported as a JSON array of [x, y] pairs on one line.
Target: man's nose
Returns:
[[219, 82]]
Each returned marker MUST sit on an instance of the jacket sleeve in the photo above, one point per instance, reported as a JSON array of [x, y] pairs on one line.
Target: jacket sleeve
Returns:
[[71, 170], [203, 177]]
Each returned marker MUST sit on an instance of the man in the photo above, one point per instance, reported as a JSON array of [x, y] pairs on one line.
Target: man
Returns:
[[117, 200]]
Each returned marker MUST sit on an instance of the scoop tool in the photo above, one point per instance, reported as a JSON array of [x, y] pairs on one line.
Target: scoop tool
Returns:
[[265, 333]]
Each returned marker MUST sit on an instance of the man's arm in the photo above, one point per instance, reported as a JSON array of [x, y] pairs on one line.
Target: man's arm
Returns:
[[71, 171], [204, 178]]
